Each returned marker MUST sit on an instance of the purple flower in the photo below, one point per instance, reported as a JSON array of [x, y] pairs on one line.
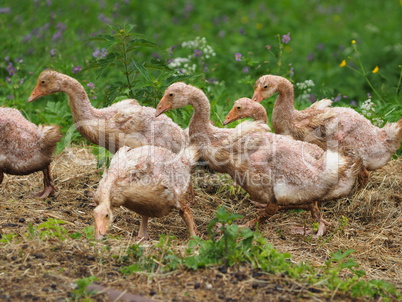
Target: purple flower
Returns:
[[5, 10], [320, 46], [61, 26], [77, 69], [337, 98], [91, 85], [291, 72], [286, 38], [7, 59], [22, 81], [57, 35], [197, 53], [104, 19], [8, 80], [100, 53], [53, 52], [238, 56], [353, 103], [312, 98], [246, 69], [310, 57], [27, 38], [11, 69]]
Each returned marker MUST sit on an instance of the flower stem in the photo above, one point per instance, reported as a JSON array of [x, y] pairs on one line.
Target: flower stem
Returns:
[[364, 73]]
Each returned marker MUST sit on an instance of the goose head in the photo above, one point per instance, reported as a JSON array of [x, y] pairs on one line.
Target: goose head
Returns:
[[242, 108], [48, 82], [103, 219], [265, 87], [176, 96]]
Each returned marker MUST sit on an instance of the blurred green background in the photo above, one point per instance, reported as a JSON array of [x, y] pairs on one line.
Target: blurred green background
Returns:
[[238, 42]]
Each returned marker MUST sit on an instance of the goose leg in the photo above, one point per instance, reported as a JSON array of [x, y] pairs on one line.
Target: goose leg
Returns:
[[270, 209], [48, 185], [185, 213], [316, 214], [143, 232]]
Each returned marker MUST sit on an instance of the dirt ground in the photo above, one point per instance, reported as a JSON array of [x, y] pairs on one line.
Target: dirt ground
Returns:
[[369, 222]]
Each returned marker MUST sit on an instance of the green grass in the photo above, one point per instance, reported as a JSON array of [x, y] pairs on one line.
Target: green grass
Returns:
[[42, 34]]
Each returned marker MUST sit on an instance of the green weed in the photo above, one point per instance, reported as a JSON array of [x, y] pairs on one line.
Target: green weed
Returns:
[[80, 293]]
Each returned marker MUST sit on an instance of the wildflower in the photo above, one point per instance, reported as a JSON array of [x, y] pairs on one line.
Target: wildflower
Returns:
[[100, 53], [337, 98], [11, 69], [268, 47], [104, 19], [286, 38], [343, 63], [291, 71], [61, 26], [57, 35], [53, 52], [238, 56], [77, 69], [246, 69], [22, 81], [376, 69], [197, 53], [91, 85], [27, 38], [353, 41], [353, 103], [5, 10]]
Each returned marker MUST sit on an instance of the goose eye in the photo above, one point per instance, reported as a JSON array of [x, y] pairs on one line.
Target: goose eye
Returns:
[[170, 94], [238, 108], [266, 86], [43, 82], [107, 216]]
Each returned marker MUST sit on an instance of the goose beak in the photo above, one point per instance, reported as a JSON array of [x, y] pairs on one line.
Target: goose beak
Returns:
[[163, 106], [231, 117], [100, 228], [257, 96], [36, 94]]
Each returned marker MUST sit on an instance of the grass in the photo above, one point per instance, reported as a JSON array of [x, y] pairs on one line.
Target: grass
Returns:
[[349, 52], [43, 34]]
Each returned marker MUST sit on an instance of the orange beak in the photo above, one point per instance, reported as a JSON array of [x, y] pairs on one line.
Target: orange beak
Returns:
[[163, 106], [36, 94], [100, 228], [231, 117], [257, 96]]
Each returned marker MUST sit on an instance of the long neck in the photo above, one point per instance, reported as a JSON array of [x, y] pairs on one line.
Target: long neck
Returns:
[[260, 114], [200, 125], [283, 111], [81, 107], [106, 187]]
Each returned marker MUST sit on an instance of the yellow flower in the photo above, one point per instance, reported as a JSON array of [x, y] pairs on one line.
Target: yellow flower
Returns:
[[376, 69], [343, 63], [353, 41]]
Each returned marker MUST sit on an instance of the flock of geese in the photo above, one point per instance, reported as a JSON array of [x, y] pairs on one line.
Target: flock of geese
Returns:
[[312, 155]]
